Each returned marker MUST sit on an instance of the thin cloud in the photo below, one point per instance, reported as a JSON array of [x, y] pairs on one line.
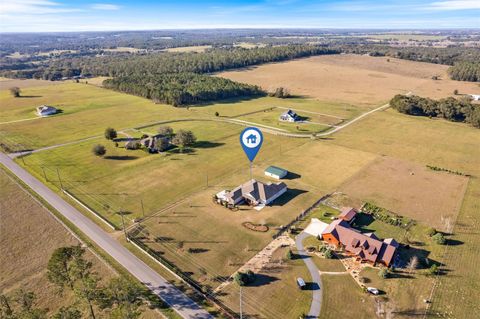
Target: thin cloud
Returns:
[[455, 5], [105, 6], [34, 7]]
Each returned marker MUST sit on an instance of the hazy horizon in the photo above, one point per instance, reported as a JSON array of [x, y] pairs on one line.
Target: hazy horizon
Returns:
[[146, 15]]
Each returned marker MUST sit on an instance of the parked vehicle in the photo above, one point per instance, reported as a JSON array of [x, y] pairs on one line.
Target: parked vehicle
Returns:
[[373, 291], [301, 283]]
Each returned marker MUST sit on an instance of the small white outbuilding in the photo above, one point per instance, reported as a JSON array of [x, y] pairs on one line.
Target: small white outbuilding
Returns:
[[45, 110]]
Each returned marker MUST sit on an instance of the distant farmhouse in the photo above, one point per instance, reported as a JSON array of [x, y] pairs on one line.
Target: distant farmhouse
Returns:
[[364, 247], [45, 110], [289, 116], [253, 193], [475, 97], [156, 143], [276, 172]]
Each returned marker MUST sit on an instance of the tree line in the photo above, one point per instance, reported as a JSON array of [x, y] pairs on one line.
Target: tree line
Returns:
[[70, 272], [457, 110], [181, 88], [465, 71], [153, 64]]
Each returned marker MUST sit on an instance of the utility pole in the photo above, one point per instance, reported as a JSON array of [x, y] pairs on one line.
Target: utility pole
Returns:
[[241, 312], [123, 225], [59, 179], [143, 209], [44, 175], [23, 160]]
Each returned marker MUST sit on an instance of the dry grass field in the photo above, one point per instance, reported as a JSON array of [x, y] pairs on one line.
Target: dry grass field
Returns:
[[360, 80], [409, 189], [6, 84], [443, 144], [197, 48], [275, 293], [29, 235]]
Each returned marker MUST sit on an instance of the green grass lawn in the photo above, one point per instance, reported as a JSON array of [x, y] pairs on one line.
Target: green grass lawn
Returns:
[[343, 298]]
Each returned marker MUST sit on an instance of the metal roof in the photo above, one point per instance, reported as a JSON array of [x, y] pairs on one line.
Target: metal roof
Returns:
[[276, 170]]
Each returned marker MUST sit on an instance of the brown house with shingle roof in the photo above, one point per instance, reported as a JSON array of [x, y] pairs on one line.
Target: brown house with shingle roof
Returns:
[[365, 247], [256, 193]]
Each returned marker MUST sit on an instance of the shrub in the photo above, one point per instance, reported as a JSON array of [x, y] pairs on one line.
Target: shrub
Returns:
[[289, 254], [383, 273], [431, 231], [217, 114], [328, 253], [110, 133], [99, 150], [439, 238], [433, 270], [243, 279]]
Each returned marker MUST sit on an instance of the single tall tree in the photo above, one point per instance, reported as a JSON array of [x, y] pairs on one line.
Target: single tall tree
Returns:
[[110, 133], [15, 91], [165, 131], [184, 139], [99, 150]]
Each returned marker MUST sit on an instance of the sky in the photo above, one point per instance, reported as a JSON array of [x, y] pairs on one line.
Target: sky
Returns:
[[100, 15]]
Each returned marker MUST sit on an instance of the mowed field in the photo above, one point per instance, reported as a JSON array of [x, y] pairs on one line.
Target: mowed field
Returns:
[[443, 144], [409, 189], [29, 235], [356, 79]]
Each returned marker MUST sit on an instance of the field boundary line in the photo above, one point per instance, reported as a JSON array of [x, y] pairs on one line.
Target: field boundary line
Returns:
[[76, 200], [22, 120]]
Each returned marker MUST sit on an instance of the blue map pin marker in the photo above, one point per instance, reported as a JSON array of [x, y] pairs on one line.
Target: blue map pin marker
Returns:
[[251, 140]]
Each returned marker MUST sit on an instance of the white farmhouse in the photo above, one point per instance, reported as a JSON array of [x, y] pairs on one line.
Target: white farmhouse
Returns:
[[289, 116]]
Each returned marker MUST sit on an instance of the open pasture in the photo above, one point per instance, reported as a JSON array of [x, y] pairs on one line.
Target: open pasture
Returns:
[[409, 189], [193, 48], [6, 83], [456, 148], [360, 80], [123, 178]]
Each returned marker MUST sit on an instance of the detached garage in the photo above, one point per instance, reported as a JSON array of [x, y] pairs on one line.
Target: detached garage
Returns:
[[276, 172]]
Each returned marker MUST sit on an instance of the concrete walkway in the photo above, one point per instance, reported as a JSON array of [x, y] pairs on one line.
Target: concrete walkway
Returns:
[[176, 299], [316, 305]]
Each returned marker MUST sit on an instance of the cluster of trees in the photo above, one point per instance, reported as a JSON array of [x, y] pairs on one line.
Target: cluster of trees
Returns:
[[280, 92], [244, 278], [465, 71], [69, 271], [181, 88], [461, 110]]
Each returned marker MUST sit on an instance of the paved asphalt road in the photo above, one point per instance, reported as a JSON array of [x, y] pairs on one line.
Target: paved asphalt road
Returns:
[[186, 307], [314, 273]]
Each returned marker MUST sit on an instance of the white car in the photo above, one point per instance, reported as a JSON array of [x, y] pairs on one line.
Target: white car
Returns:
[[373, 291]]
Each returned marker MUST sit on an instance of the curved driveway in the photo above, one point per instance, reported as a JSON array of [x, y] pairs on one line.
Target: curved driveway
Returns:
[[314, 273]]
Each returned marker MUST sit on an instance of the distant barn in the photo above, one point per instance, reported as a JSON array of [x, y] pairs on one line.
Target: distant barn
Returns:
[[45, 110]]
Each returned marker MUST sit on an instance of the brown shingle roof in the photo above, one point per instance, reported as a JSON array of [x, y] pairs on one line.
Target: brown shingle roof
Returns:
[[348, 214], [366, 246]]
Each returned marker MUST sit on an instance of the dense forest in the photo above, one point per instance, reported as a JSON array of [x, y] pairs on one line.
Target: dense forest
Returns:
[[465, 71], [211, 61], [458, 110], [181, 88], [447, 56]]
